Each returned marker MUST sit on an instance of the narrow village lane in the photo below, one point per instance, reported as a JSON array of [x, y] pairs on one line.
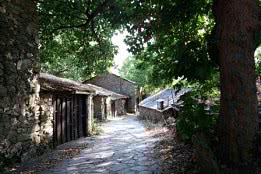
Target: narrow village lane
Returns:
[[123, 147]]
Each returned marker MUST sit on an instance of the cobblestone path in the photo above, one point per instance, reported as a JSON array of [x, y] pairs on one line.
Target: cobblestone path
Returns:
[[124, 147]]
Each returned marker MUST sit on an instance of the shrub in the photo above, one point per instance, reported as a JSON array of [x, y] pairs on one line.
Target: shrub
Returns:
[[196, 116], [96, 127]]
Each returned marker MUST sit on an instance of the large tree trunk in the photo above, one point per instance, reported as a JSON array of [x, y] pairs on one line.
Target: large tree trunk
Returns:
[[236, 22], [19, 67]]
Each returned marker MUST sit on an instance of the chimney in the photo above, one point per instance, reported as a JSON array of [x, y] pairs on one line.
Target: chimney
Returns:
[[160, 104]]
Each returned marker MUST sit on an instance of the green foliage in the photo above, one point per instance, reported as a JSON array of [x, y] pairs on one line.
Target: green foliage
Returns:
[[67, 58], [75, 37], [258, 60], [96, 127], [200, 107], [135, 70], [196, 116], [176, 33]]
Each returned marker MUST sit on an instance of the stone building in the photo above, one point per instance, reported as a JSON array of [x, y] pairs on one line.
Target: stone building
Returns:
[[66, 110], [118, 85], [161, 106], [105, 102]]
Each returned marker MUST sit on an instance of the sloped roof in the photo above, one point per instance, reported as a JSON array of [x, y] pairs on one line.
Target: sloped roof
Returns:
[[53, 83], [166, 95], [102, 91], [86, 81], [123, 78]]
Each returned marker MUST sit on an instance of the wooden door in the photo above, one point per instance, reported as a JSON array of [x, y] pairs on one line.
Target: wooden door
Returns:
[[69, 118], [113, 108]]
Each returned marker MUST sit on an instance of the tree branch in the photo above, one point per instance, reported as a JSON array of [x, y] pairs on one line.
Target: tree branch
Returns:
[[95, 34], [61, 71], [69, 27], [89, 19]]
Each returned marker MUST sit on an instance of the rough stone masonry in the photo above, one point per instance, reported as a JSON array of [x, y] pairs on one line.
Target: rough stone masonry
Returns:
[[19, 89]]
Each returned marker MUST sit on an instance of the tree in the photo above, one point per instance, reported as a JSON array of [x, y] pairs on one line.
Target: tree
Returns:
[[75, 37], [177, 45], [135, 70], [237, 24], [180, 33]]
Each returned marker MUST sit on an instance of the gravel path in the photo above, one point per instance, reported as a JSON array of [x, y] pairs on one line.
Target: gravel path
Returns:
[[123, 147]]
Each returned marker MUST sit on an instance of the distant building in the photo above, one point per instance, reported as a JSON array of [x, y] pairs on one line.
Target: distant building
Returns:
[[105, 103], [119, 85], [161, 105]]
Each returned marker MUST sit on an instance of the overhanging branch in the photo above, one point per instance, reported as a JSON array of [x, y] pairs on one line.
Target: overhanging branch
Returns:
[[69, 27]]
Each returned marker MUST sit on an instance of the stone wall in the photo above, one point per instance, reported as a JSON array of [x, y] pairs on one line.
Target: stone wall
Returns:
[[19, 69], [108, 107], [99, 107], [117, 84], [120, 107], [46, 110], [90, 114], [154, 115]]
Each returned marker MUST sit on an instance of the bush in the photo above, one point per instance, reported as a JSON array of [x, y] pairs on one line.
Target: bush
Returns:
[[196, 116], [96, 127]]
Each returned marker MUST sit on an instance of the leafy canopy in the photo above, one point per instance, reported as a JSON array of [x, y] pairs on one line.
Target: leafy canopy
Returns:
[[176, 36], [76, 36]]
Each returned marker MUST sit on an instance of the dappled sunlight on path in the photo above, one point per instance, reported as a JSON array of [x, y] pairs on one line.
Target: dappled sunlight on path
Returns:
[[123, 147]]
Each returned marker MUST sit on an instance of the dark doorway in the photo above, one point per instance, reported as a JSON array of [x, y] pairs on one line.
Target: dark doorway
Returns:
[[113, 108]]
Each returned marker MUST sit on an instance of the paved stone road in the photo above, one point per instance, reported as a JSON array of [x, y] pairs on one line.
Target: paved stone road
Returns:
[[123, 148]]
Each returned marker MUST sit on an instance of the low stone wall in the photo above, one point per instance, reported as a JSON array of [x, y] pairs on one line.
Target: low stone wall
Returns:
[[154, 115]]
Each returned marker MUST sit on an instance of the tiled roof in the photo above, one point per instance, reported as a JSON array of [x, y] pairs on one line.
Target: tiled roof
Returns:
[[86, 81], [166, 95], [53, 83], [102, 91]]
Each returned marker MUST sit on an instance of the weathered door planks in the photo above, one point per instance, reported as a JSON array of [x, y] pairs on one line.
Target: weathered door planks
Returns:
[[70, 114], [58, 123], [68, 126]]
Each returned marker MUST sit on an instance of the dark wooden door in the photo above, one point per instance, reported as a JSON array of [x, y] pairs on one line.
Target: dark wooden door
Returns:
[[113, 108], [105, 109], [69, 118]]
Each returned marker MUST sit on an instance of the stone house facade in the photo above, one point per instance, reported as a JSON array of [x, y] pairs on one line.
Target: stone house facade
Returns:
[[100, 112], [118, 85], [155, 115], [121, 106], [66, 110], [108, 103]]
